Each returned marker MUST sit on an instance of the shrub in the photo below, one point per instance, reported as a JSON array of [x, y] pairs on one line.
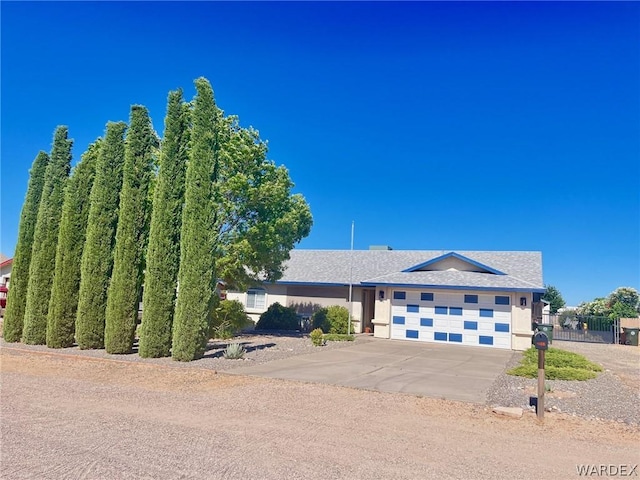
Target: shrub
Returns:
[[319, 320], [317, 337], [228, 318], [234, 351], [278, 317], [338, 319], [559, 365]]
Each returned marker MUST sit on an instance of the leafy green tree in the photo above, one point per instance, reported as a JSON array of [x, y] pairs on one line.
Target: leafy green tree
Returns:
[[17, 295], [163, 254], [63, 305], [196, 277], [97, 256], [598, 307], [131, 235], [554, 297], [45, 239], [258, 221], [626, 296], [252, 219]]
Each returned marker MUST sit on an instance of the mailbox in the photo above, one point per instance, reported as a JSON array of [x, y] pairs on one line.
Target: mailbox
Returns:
[[541, 341]]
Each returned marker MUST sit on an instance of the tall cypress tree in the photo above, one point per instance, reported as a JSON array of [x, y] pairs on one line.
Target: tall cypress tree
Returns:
[[196, 275], [17, 295], [66, 281], [131, 235], [45, 239], [97, 256], [163, 254]]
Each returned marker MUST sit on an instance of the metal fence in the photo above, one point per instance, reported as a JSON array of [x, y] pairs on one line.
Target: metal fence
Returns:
[[578, 328]]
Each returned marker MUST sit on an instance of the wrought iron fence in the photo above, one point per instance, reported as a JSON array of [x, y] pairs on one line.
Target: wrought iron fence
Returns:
[[580, 328]]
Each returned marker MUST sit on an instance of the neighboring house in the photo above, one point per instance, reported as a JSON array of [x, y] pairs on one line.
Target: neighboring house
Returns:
[[5, 275], [5, 269], [478, 298]]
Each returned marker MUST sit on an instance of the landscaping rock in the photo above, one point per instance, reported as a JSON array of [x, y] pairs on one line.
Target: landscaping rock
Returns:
[[514, 412]]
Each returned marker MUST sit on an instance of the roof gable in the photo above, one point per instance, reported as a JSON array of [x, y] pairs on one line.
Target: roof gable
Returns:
[[453, 261]]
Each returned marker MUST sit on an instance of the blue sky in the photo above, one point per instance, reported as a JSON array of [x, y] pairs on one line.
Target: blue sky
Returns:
[[477, 126]]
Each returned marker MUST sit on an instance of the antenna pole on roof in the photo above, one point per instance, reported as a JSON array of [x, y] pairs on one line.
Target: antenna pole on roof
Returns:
[[353, 223]]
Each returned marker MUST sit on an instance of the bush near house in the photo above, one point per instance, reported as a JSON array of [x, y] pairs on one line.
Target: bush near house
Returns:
[[333, 319], [278, 317], [227, 319], [559, 365]]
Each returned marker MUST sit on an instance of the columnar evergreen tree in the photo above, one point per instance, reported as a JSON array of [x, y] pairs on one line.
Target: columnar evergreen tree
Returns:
[[163, 254], [97, 256], [45, 239], [131, 235], [17, 295], [63, 305], [196, 275]]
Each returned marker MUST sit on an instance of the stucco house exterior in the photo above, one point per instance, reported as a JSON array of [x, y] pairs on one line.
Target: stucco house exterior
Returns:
[[480, 298]]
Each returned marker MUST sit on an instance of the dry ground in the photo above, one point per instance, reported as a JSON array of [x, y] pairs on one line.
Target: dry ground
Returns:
[[75, 417]]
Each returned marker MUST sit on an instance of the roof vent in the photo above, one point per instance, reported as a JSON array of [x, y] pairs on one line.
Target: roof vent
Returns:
[[380, 247]]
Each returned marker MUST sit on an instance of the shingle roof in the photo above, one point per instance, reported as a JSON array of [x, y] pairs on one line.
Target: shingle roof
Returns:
[[523, 270]]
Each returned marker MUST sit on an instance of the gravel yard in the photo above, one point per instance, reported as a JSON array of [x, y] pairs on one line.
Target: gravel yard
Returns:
[[612, 395], [71, 415]]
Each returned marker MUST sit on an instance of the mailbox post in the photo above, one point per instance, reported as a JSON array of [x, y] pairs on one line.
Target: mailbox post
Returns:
[[541, 342]]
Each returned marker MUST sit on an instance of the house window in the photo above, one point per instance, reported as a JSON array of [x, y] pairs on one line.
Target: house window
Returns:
[[502, 327], [399, 295], [486, 312], [413, 308], [441, 310], [502, 300], [455, 311], [471, 299], [426, 297], [398, 320], [256, 298]]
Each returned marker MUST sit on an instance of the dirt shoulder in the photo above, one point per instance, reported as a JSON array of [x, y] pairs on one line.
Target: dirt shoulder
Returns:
[[76, 417]]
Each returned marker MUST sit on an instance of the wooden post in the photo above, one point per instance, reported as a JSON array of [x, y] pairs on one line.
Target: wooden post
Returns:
[[541, 386]]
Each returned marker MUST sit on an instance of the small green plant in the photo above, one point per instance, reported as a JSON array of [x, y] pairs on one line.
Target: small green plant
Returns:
[[559, 365], [548, 387], [339, 337], [317, 337], [234, 351]]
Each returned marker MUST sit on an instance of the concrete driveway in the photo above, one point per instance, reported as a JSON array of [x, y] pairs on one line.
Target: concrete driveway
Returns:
[[452, 372]]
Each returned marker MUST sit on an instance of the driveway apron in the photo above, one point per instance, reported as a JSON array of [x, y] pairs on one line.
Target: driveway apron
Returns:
[[451, 372]]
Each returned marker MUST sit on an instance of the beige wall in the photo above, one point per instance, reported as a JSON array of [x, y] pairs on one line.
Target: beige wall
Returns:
[[382, 317], [521, 321]]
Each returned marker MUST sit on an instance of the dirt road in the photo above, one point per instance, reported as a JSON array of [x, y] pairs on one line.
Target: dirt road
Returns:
[[74, 417]]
